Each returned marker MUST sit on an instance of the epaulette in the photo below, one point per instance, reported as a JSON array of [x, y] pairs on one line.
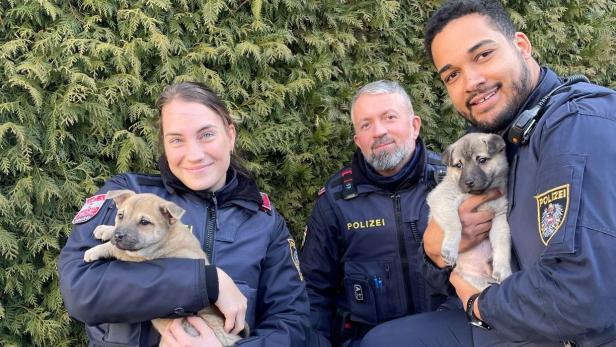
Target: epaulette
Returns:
[[266, 204], [321, 192]]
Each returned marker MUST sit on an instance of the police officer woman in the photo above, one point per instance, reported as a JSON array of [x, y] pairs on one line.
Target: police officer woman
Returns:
[[254, 277]]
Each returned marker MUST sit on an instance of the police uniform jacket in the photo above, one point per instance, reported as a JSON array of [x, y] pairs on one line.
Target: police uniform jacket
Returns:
[[116, 299], [562, 204], [361, 254]]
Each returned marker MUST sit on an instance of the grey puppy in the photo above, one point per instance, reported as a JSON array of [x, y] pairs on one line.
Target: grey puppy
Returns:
[[148, 227], [475, 163]]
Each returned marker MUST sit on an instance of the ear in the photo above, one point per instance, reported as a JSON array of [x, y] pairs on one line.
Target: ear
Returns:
[[119, 196], [494, 143], [446, 157], [232, 134], [522, 43], [415, 125], [171, 211]]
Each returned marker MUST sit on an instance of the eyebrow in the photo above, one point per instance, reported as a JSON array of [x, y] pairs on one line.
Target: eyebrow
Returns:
[[198, 131], [470, 50]]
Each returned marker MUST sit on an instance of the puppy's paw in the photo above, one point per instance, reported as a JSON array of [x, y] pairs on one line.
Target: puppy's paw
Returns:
[[104, 232], [449, 255], [499, 273], [90, 255]]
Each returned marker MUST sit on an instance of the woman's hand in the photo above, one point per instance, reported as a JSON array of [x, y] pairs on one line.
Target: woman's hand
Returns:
[[231, 302], [175, 336]]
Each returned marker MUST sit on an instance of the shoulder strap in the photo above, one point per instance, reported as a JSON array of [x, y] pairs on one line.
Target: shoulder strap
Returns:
[[349, 191], [435, 170]]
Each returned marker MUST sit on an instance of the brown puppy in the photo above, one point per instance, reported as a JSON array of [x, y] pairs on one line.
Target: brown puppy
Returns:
[[148, 227]]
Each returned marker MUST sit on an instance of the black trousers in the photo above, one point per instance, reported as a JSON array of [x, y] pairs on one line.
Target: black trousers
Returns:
[[433, 329]]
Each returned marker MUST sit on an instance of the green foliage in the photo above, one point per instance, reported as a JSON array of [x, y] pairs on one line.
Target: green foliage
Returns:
[[79, 80]]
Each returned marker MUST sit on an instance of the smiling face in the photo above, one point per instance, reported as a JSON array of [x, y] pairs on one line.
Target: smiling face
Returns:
[[197, 144], [385, 131], [487, 75]]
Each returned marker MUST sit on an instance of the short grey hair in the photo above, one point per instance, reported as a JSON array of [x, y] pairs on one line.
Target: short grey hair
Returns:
[[383, 87]]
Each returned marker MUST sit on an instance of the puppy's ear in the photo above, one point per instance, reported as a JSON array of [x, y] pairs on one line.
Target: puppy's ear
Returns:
[[171, 212], [446, 157], [119, 196], [494, 143]]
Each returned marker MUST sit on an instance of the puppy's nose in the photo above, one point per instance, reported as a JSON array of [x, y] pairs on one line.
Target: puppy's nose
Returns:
[[469, 183], [119, 236]]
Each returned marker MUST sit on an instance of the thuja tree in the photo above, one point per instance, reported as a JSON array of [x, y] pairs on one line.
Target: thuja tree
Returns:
[[79, 79]]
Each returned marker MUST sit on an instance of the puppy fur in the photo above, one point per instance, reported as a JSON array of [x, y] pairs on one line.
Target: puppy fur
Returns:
[[475, 163], [148, 227]]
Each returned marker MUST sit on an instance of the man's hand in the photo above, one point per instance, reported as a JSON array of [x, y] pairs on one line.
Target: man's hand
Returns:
[[475, 227], [464, 290], [175, 336], [231, 302]]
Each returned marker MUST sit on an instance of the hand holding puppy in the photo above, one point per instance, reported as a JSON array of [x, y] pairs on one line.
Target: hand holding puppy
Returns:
[[476, 226], [231, 302], [176, 336]]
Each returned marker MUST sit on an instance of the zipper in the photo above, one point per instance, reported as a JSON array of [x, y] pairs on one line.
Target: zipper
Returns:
[[414, 231], [210, 227], [403, 254]]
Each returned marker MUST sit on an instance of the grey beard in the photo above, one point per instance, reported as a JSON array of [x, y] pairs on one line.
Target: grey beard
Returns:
[[385, 160]]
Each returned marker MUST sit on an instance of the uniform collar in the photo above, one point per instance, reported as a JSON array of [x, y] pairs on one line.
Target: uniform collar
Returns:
[[410, 174]]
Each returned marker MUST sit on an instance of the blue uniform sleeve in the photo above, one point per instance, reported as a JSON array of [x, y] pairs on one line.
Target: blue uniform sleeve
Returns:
[[569, 291], [321, 268], [110, 291], [282, 304]]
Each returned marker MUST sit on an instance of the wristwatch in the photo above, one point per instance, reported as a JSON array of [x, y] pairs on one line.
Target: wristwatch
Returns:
[[470, 314]]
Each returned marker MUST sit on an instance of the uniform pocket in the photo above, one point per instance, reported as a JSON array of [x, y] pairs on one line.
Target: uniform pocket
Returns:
[[372, 292], [558, 197], [251, 295], [114, 335]]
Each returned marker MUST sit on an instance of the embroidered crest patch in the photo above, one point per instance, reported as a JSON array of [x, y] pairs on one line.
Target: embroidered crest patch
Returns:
[[90, 208], [552, 207], [295, 258]]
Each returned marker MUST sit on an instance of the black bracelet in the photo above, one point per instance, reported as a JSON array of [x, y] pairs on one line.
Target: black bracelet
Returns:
[[470, 314]]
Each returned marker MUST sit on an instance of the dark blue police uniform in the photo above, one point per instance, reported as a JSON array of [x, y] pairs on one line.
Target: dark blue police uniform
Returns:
[[361, 254], [249, 241], [562, 205]]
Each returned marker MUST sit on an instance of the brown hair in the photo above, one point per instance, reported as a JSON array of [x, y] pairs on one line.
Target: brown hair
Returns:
[[202, 94]]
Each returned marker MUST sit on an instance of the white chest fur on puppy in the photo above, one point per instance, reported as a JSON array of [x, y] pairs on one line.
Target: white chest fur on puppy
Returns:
[[475, 163]]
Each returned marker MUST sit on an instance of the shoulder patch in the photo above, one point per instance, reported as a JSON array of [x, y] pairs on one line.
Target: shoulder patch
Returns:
[[295, 258], [266, 205], [552, 208], [321, 191], [90, 208]]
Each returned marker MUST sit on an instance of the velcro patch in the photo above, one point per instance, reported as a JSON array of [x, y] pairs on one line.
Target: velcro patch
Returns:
[[295, 258], [91, 207], [552, 208]]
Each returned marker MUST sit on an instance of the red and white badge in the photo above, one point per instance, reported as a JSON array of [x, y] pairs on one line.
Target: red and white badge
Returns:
[[90, 208]]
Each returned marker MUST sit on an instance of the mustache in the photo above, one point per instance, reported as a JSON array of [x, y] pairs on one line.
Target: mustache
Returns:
[[482, 88], [381, 141]]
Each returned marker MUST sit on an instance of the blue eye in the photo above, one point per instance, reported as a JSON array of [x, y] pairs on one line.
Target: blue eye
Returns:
[[144, 221]]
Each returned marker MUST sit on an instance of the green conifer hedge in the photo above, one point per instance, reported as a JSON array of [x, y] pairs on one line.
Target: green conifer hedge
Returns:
[[79, 79]]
